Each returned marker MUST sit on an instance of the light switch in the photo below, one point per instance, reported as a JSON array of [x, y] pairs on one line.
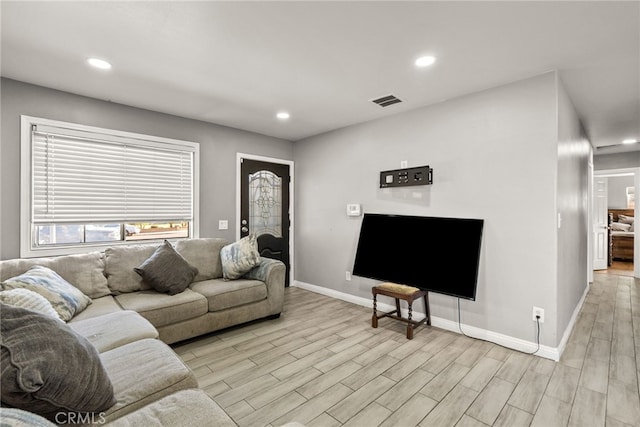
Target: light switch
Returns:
[[223, 224]]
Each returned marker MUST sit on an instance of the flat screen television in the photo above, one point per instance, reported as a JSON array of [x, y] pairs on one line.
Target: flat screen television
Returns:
[[431, 253]]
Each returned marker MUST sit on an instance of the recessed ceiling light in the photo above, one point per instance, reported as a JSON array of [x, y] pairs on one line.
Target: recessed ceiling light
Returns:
[[99, 63], [630, 141], [425, 61], [283, 115]]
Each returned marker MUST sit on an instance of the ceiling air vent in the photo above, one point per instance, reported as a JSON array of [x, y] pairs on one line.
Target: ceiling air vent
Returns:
[[385, 101]]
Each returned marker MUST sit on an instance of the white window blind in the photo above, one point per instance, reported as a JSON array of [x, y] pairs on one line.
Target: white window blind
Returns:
[[82, 176]]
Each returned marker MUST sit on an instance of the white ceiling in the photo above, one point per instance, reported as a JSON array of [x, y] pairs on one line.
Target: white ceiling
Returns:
[[238, 63]]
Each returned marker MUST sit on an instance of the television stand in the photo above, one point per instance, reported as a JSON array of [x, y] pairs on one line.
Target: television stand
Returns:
[[401, 292]]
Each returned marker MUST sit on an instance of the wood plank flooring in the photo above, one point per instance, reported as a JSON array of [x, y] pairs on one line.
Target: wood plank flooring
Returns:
[[620, 268], [323, 365]]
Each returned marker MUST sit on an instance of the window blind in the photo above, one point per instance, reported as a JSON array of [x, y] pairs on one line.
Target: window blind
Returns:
[[84, 177]]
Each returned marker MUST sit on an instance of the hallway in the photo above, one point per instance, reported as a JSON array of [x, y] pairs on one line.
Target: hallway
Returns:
[[618, 268]]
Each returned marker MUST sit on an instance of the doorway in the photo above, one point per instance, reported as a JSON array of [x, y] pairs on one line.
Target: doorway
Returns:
[[615, 242], [265, 189]]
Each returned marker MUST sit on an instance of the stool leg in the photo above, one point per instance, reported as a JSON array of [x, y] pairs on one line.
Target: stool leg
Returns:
[[374, 319], [398, 312], [427, 310], [409, 325]]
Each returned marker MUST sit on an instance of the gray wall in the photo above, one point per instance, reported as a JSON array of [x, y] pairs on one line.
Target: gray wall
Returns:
[[617, 191], [616, 161], [574, 154], [218, 148], [494, 155]]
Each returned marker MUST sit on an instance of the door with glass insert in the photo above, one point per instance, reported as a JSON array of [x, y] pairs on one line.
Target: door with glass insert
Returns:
[[264, 208]]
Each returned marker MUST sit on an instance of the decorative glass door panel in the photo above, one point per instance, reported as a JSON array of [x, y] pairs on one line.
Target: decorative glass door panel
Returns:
[[265, 203]]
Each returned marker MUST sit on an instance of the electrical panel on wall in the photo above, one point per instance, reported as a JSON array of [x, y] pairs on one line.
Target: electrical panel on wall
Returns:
[[420, 175]]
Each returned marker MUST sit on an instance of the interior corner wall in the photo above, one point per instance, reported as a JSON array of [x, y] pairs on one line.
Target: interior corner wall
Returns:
[[218, 148], [574, 153], [494, 156]]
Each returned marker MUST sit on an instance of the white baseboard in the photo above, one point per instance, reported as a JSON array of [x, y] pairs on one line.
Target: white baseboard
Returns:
[[449, 325], [572, 321]]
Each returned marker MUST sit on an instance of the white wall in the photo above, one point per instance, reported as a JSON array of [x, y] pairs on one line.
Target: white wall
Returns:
[[218, 148], [617, 191], [494, 155], [574, 152]]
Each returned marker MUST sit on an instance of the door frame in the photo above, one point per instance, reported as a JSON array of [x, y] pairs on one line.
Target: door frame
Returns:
[[239, 157], [636, 240]]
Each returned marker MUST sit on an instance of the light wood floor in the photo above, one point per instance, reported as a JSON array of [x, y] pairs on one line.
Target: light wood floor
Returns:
[[621, 268], [321, 364]]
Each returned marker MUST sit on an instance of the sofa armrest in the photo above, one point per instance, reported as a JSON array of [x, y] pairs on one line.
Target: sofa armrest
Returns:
[[272, 273]]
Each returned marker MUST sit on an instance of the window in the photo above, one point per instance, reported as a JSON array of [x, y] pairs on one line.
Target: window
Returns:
[[85, 187]]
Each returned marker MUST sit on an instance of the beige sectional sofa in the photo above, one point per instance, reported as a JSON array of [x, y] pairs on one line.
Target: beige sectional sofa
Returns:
[[209, 304], [152, 385]]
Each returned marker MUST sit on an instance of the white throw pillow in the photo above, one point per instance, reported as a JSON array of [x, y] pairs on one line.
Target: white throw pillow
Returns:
[[239, 257], [625, 219], [619, 226], [66, 299], [30, 300]]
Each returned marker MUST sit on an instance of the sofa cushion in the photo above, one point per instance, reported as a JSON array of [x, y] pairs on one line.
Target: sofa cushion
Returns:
[[30, 300], [239, 257], [143, 372], [114, 329], [166, 270], [84, 271], [66, 299], [223, 294], [184, 408], [119, 264], [13, 417], [204, 254], [47, 367], [162, 309], [98, 307]]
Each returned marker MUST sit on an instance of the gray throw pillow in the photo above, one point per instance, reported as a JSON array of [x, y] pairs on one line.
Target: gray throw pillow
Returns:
[[240, 257], [47, 368], [166, 270]]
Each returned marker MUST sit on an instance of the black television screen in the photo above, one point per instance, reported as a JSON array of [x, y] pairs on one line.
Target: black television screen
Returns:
[[431, 253]]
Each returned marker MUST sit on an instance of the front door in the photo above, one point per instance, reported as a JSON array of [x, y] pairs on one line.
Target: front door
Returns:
[[264, 207], [600, 224]]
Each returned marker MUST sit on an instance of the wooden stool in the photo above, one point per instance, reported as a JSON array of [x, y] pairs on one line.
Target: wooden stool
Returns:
[[407, 293]]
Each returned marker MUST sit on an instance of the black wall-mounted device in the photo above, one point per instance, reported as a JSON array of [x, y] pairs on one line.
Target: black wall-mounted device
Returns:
[[420, 175]]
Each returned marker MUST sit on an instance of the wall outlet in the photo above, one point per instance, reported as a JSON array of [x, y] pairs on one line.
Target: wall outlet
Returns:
[[347, 276], [223, 224], [403, 164], [537, 311]]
